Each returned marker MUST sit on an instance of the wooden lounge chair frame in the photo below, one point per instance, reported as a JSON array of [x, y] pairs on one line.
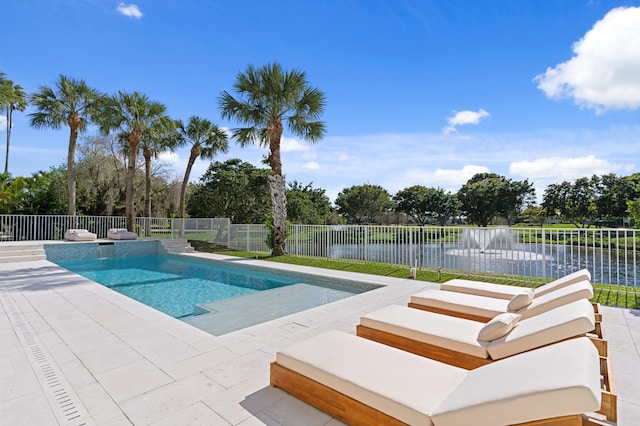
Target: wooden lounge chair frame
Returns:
[[470, 362], [354, 412]]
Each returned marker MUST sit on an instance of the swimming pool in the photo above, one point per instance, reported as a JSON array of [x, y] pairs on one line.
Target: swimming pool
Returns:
[[190, 289]]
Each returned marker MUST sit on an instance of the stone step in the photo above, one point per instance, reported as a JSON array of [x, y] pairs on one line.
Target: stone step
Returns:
[[22, 258], [8, 247], [21, 252], [176, 245]]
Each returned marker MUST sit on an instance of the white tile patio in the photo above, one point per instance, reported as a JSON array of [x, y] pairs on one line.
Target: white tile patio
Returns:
[[75, 352]]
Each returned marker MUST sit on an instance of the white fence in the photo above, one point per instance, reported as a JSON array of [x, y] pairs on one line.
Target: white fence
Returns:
[[53, 227], [611, 255]]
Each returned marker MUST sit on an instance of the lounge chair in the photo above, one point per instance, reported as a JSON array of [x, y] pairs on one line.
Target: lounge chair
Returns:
[[502, 291], [470, 344], [79, 235], [483, 308], [363, 382], [121, 234]]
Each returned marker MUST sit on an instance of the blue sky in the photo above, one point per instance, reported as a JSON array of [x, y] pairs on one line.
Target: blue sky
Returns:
[[418, 92]]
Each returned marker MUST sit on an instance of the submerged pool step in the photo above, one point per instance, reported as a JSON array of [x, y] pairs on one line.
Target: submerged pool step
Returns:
[[240, 312]]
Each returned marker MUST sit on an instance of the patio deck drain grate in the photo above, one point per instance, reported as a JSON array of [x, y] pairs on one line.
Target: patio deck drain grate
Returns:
[[63, 401]]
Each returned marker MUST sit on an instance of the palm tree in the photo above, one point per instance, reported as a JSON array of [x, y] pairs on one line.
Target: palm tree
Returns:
[[267, 97], [206, 140], [72, 102], [13, 99], [135, 117]]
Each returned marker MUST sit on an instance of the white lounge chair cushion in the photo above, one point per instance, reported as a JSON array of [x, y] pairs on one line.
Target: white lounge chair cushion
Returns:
[[554, 299], [400, 384], [519, 389], [79, 235], [456, 334], [489, 307], [121, 234], [498, 291], [575, 277], [570, 320], [498, 327], [520, 300], [502, 291]]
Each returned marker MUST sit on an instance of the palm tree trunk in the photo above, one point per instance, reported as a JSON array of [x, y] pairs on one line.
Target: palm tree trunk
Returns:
[[146, 152], [71, 171], [130, 213], [277, 190], [183, 189], [74, 122], [279, 208], [6, 160], [185, 181]]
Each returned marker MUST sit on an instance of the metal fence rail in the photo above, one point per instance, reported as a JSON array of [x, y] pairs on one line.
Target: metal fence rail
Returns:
[[53, 227], [611, 255]]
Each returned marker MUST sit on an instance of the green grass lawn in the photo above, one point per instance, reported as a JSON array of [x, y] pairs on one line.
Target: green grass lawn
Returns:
[[605, 294]]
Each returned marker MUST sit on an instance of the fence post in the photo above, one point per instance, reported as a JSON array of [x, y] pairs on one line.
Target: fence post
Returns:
[[328, 242], [366, 242], [544, 256]]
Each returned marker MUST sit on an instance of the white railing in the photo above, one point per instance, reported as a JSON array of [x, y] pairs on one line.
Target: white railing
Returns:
[[53, 227], [611, 255]]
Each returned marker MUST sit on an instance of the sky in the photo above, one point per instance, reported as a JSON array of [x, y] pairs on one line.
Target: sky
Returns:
[[418, 92]]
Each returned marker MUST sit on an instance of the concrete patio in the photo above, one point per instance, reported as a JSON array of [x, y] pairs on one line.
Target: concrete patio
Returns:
[[73, 352]]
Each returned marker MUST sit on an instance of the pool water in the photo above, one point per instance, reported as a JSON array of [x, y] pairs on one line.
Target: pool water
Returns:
[[175, 285]]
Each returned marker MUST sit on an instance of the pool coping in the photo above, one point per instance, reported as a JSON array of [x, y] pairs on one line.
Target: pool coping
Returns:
[[129, 364]]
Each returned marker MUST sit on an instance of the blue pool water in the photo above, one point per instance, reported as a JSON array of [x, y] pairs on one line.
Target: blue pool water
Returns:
[[175, 285]]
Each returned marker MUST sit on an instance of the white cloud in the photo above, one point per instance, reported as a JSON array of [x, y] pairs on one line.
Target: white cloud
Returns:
[[604, 72], [449, 179], [563, 169], [3, 122], [291, 145], [130, 10], [461, 118], [312, 165]]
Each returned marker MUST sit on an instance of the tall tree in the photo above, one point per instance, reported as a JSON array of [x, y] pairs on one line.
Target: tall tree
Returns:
[[72, 102], [234, 189], [427, 204], [134, 117], [363, 203], [206, 141], [572, 202], [14, 100], [267, 96], [306, 204], [487, 195]]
